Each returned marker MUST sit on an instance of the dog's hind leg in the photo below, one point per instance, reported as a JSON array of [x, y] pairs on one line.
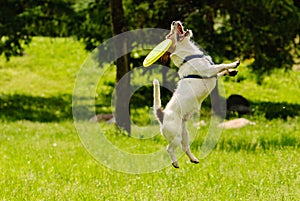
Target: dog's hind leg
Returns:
[[171, 129], [186, 144], [171, 148]]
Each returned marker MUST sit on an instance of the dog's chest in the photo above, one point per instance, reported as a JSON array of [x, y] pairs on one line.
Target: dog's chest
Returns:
[[179, 56], [176, 59]]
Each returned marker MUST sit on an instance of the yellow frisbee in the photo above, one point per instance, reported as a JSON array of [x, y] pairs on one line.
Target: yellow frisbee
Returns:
[[157, 52]]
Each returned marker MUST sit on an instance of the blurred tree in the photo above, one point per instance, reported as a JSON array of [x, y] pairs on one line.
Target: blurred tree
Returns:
[[22, 19], [266, 30], [93, 22], [122, 96]]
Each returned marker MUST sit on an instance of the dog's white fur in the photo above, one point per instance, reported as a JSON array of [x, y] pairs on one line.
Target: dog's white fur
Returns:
[[190, 92]]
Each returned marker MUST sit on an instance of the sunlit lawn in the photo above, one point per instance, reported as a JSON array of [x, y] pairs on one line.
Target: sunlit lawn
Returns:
[[45, 160]]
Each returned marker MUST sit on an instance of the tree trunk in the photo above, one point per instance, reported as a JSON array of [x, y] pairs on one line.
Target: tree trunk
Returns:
[[122, 95]]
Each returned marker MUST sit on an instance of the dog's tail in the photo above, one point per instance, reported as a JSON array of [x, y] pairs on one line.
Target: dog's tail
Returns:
[[158, 111]]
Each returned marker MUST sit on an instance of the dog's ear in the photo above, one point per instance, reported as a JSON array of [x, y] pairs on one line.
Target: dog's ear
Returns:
[[165, 58]]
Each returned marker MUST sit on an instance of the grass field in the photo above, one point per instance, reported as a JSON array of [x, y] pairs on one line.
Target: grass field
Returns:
[[43, 158]]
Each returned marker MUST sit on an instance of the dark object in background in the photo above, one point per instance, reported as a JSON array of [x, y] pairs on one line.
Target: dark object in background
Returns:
[[237, 104]]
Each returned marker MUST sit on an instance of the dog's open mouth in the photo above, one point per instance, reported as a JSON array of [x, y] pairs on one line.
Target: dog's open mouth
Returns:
[[178, 31]]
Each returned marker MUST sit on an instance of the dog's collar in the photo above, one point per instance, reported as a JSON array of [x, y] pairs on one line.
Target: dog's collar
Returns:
[[198, 77]]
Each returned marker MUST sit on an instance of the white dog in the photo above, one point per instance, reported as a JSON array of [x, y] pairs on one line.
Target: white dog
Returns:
[[198, 78]]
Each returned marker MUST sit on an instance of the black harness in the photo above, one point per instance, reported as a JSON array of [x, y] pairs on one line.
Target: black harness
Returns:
[[196, 56], [198, 77]]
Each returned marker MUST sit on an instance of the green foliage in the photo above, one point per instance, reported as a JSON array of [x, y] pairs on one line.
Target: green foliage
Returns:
[[249, 29], [264, 30], [93, 21], [259, 28], [230, 29], [22, 19]]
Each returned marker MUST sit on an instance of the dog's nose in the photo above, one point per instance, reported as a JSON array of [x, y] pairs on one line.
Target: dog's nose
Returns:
[[173, 23]]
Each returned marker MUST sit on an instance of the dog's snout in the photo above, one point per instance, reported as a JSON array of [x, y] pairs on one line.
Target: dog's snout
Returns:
[[175, 23]]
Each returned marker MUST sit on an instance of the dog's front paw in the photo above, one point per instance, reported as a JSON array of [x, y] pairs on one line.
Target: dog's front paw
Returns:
[[232, 72], [237, 63]]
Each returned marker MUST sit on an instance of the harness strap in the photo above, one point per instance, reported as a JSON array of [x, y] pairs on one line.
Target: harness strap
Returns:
[[195, 56], [198, 77]]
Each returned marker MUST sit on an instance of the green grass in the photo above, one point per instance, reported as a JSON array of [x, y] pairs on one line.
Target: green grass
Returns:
[[48, 68], [47, 161], [281, 86], [44, 159]]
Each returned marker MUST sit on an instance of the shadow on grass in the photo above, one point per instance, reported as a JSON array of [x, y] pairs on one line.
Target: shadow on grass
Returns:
[[273, 110], [42, 109], [58, 108], [270, 110]]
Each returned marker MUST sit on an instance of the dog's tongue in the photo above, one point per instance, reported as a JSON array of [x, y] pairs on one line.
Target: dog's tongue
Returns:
[[179, 30], [180, 33]]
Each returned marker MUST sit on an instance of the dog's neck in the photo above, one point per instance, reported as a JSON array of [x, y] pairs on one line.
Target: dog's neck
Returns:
[[184, 49]]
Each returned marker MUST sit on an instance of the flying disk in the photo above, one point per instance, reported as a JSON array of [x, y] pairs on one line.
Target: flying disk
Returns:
[[157, 52]]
